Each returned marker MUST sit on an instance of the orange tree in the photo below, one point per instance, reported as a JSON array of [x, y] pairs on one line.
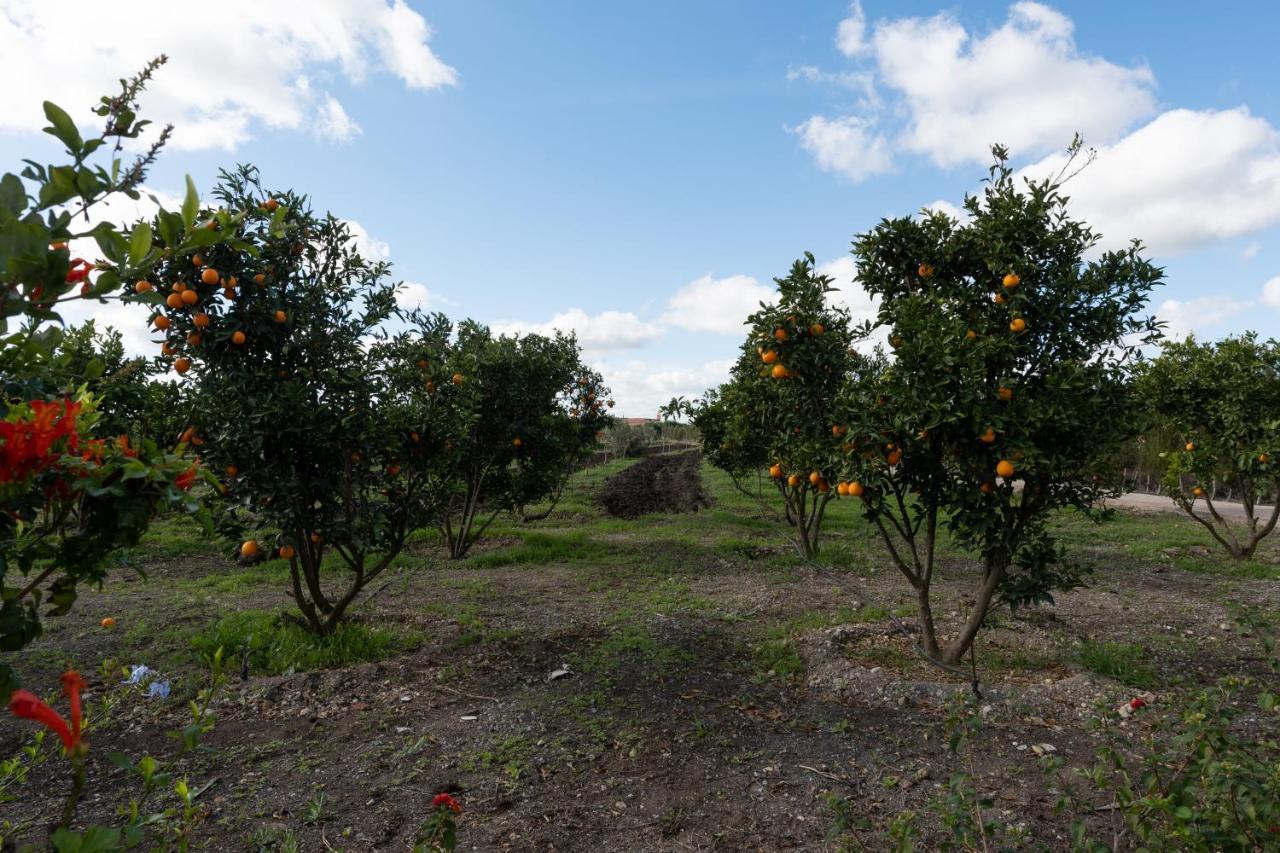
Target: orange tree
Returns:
[[523, 411], [1007, 394], [1223, 401], [779, 409], [298, 392], [71, 495]]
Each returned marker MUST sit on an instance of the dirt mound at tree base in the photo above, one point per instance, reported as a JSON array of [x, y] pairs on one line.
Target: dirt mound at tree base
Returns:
[[670, 483]]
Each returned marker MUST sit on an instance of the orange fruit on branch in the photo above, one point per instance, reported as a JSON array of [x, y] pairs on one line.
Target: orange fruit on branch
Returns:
[[108, 622], [988, 437], [778, 372], [925, 270], [1011, 280], [1191, 446], [1018, 325], [457, 379], [237, 337], [196, 260], [817, 329], [210, 276], [281, 317], [249, 548], [1005, 394], [794, 480], [182, 365], [287, 552], [174, 300], [190, 297], [769, 356], [142, 287], [1004, 468], [200, 320], [775, 470], [160, 321], [855, 489], [779, 335]]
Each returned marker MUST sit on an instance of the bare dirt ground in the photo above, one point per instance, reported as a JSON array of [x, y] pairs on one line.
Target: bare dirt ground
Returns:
[[719, 691]]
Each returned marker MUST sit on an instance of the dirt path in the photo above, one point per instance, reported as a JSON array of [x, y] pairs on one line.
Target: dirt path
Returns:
[[666, 483], [1143, 502]]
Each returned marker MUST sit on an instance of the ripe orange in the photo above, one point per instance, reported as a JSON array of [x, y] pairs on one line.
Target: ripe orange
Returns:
[[259, 279], [210, 276], [160, 321], [1263, 458], [187, 434], [925, 270], [281, 317], [769, 356], [249, 548], [1005, 394], [422, 364], [894, 458], [794, 480], [194, 339], [232, 470], [1012, 280], [817, 329], [1018, 325], [190, 297], [838, 430], [182, 365], [1197, 491], [108, 622], [970, 335], [998, 299], [178, 287], [174, 300], [200, 320], [1004, 468], [1191, 445], [517, 442], [778, 372], [855, 489], [775, 470], [231, 282], [270, 205], [824, 486], [842, 489], [815, 478], [431, 386], [457, 379], [196, 260], [414, 437], [286, 552], [988, 437], [142, 287], [779, 335], [237, 337], [167, 348], [316, 538], [987, 487]]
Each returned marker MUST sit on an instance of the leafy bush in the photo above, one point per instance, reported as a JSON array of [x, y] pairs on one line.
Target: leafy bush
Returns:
[[522, 412], [299, 394], [68, 500], [1223, 400], [778, 410], [1008, 395]]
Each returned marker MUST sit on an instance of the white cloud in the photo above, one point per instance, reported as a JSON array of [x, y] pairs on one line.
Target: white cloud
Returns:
[[332, 121], [1250, 251], [1195, 315], [1185, 179], [852, 31], [234, 66], [369, 247], [1271, 292], [608, 330], [641, 388], [717, 304], [849, 146], [414, 294], [952, 210], [1025, 84]]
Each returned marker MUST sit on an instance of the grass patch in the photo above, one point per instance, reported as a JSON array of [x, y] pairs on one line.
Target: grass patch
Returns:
[[540, 549], [276, 646], [1121, 661]]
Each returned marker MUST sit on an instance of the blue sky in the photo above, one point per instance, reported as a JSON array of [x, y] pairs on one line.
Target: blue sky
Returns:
[[639, 172]]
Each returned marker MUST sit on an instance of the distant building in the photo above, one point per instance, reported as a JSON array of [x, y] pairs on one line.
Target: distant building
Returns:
[[638, 421]]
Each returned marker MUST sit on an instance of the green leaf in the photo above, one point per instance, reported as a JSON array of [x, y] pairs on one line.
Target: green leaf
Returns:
[[63, 127], [94, 368], [13, 195], [190, 204], [139, 243]]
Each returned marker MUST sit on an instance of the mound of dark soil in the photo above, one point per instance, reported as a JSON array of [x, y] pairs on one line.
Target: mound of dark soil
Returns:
[[670, 483]]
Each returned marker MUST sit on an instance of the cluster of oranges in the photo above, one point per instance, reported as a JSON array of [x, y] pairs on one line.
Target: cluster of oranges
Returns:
[[185, 297], [817, 481], [772, 357]]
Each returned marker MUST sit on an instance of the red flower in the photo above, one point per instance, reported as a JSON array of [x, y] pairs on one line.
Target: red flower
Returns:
[[80, 269], [1137, 702], [187, 478], [29, 445], [444, 801], [28, 706]]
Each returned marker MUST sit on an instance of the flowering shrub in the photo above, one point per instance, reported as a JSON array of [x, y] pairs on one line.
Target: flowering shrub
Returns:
[[440, 832], [70, 497]]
